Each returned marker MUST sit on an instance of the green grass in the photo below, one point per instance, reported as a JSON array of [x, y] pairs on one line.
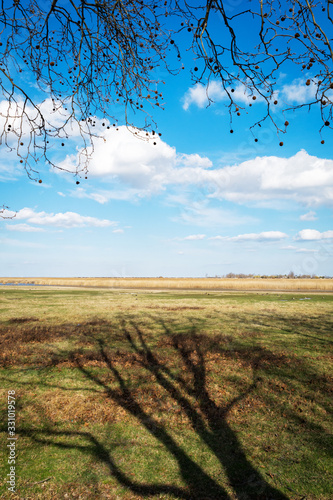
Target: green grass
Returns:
[[168, 395]]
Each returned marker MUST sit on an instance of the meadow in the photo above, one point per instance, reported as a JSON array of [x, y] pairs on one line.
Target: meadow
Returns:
[[126, 394]]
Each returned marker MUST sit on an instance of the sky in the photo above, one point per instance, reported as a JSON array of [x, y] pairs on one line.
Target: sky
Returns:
[[200, 202]]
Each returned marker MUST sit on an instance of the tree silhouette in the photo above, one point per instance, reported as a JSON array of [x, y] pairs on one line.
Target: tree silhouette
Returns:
[[76, 67], [189, 391]]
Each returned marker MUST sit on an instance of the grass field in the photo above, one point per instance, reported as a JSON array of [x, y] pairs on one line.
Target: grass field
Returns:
[[186, 395], [278, 284]]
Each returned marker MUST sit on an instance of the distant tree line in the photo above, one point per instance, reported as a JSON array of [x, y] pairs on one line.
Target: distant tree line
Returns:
[[290, 275]]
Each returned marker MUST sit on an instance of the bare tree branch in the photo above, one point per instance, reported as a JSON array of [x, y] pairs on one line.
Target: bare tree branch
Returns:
[[66, 66]]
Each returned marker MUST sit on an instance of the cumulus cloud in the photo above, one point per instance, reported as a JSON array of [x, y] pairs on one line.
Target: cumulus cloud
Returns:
[[20, 115], [144, 163], [314, 235], [309, 216], [198, 94], [301, 178], [137, 161], [264, 236], [66, 219], [193, 160], [138, 168]]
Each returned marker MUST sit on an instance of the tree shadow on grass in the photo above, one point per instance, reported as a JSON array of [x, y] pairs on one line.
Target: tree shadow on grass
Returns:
[[189, 391]]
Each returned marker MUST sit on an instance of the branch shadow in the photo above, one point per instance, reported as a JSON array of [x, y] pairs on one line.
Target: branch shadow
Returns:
[[207, 419]]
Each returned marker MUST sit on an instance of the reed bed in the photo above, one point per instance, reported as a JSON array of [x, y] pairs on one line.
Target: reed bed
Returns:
[[269, 284]]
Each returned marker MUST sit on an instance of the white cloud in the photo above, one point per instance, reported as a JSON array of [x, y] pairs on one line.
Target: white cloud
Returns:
[[6, 213], [309, 216], [20, 243], [24, 228], [193, 160], [21, 116], [200, 94], [138, 168], [120, 231], [195, 237], [196, 95], [301, 178], [144, 163], [103, 195], [123, 156], [198, 213], [299, 250], [66, 219], [314, 235], [298, 92], [264, 236], [295, 92]]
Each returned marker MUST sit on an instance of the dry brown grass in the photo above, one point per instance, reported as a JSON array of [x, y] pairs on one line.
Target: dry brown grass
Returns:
[[279, 284], [237, 382]]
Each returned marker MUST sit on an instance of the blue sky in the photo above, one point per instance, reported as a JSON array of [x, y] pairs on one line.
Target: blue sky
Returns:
[[201, 202]]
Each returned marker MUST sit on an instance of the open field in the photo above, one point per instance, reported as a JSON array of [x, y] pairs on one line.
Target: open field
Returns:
[[167, 395], [304, 285]]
